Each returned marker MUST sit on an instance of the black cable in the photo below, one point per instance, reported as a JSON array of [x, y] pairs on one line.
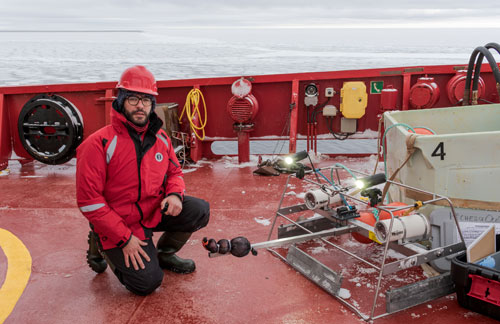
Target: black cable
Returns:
[[287, 128], [337, 136], [314, 169], [308, 126], [487, 101], [316, 110], [312, 118]]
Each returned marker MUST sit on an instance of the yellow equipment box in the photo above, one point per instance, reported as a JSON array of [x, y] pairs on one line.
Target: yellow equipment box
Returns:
[[353, 99]]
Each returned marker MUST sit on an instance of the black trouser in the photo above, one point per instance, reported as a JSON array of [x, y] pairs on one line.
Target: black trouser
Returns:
[[194, 215]]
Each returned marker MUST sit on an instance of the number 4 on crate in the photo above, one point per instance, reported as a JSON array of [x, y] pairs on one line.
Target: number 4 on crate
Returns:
[[439, 151]]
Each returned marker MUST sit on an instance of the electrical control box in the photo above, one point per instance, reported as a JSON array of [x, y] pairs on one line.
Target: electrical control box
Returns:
[[354, 99], [329, 111], [329, 92], [348, 125], [310, 101]]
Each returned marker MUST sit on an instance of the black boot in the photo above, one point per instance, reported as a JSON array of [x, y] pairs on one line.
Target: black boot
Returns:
[[95, 259], [169, 244]]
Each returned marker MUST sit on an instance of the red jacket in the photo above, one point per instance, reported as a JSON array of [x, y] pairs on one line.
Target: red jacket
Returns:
[[121, 181]]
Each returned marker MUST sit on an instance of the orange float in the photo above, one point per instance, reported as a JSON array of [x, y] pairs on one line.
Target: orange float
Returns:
[[422, 131], [369, 218]]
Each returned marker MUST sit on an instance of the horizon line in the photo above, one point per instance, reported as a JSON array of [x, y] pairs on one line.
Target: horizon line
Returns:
[[72, 31]]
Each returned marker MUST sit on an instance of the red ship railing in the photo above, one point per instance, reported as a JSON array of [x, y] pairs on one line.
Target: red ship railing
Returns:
[[281, 98]]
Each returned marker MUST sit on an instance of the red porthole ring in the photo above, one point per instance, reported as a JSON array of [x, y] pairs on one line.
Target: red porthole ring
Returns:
[[50, 128]]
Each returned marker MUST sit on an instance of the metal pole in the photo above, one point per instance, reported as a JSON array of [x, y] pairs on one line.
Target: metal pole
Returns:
[[294, 104], [295, 239], [243, 146], [379, 281], [279, 207]]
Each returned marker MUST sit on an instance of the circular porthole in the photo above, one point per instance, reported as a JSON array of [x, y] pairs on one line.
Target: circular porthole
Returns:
[[50, 128]]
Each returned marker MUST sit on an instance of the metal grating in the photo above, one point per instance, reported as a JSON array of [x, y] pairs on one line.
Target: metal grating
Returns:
[[242, 110]]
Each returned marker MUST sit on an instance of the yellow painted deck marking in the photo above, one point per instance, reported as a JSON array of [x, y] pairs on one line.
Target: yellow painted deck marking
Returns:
[[18, 272]]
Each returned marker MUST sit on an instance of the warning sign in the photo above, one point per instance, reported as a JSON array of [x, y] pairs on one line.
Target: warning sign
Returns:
[[376, 87]]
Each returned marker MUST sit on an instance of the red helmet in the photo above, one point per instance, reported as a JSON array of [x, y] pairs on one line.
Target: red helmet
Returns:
[[138, 79]]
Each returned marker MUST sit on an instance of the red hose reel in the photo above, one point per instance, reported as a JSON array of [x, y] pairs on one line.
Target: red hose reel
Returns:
[[424, 93], [455, 87]]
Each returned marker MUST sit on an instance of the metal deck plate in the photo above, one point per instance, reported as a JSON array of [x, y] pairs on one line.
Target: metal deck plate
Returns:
[[314, 270], [419, 292]]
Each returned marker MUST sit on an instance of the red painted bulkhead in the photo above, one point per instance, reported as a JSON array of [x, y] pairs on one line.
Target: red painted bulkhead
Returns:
[[273, 93]]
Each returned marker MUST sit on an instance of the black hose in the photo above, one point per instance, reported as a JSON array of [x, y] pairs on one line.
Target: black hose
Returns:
[[479, 62], [488, 46], [494, 46], [468, 79], [482, 52]]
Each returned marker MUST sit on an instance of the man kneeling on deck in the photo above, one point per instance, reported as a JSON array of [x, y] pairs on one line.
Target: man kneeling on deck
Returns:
[[129, 185]]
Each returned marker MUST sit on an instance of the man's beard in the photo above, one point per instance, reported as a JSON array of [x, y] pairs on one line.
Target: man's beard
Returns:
[[130, 118]]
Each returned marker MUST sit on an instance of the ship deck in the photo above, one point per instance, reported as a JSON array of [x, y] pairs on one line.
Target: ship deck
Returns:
[[38, 206]]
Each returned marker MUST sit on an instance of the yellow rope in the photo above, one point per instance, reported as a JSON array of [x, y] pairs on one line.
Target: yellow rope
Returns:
[[191, 107], [416, 206]]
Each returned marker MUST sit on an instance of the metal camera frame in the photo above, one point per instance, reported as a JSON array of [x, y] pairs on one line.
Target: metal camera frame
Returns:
[[326, 225]]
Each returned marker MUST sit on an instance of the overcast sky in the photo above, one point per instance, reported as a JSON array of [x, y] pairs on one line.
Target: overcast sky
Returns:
[[157, 14]]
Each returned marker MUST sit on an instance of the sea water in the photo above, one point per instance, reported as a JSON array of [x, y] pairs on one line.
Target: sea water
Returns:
[[62, 57]]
